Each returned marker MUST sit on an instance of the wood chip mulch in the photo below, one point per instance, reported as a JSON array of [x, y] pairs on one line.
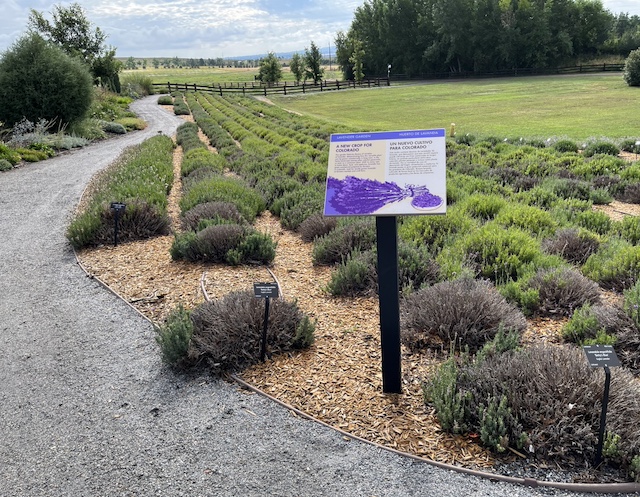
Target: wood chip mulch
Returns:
[[338, 380]]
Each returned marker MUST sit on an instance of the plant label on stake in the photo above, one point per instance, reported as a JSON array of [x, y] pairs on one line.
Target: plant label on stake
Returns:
[[265, 291], [602, 356], [118, 208]]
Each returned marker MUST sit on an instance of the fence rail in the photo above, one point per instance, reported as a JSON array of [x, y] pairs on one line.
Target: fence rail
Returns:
[[257, 88], [583, 68]]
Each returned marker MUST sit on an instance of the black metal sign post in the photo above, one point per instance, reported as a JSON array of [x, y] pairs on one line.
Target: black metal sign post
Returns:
[[389, 289], [265, 291], [118, 207], [602, 356]]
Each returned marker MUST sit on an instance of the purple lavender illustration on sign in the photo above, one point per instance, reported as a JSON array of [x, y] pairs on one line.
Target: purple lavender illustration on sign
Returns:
[[357, 196]]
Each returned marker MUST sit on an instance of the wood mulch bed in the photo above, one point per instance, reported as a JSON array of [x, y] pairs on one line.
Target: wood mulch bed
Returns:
[[338, 380]]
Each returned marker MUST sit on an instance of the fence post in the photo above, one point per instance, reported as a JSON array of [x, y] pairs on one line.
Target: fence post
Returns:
[[265, 91], [220, 88], [337, 84], [303, 90]]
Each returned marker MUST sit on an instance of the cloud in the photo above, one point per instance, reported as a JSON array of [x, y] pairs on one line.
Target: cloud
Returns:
[[199, 28], [210, 28]]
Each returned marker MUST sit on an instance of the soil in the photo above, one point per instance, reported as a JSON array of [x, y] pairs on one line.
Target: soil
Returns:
[[338, 380]]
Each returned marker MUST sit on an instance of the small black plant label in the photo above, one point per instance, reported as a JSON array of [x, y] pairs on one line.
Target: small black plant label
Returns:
[[599, 356], [118, 206], [265, 290]]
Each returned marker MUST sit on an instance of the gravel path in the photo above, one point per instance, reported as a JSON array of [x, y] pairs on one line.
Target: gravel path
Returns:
[[87, 409]]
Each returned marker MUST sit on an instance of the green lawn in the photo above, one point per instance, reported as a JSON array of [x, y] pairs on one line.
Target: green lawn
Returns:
[[209, 75], [576, 107]]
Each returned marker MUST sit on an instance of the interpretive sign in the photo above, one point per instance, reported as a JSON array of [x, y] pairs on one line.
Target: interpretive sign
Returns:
[[599, 356], [387, 173]]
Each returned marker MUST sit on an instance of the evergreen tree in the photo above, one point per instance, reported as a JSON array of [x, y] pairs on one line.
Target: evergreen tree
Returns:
[[270, 69], [313, 63], [297, 66]]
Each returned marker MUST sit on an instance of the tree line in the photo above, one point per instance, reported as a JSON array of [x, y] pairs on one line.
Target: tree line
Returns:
[[480, 36]]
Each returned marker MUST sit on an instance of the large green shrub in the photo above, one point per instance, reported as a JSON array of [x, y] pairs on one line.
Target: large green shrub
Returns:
[[40, 81], [632, 68], [616, 266]]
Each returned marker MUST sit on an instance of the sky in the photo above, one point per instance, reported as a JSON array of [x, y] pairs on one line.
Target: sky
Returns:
[[210, 28]]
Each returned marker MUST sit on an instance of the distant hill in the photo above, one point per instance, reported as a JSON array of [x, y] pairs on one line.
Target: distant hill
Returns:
[[325, 51]]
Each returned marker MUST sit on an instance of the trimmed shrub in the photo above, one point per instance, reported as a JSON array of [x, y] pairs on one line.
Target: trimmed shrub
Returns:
[[616, 266], [573, 245], [598, 323], [562, 290], [248, 202], [631, 73], [227, 331], [226, 243], [165, 100], [255, 248], [197, 158], [132, 123], [601, 147], [316, 226], [565, 146], [629, 229], [114, 128], [595, 221], [436, 231], [9, 154], [496, 253], [350, 234], [357, 275], [456, 315], [5, 165], [220, 212], [526, 217], [599, 165], [483, 207], [174, 337]]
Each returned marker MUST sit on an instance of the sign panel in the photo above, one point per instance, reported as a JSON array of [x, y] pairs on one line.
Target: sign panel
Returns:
[[265, 290], [387, 173], [600, 356]]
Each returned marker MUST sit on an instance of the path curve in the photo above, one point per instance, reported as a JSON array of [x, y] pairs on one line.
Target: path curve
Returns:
[[87, 409]]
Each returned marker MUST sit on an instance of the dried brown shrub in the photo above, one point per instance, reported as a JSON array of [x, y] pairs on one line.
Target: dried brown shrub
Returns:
[[315, 226], [562, 290], [462, 313], [140, 220], [227, 331], [572, 245]]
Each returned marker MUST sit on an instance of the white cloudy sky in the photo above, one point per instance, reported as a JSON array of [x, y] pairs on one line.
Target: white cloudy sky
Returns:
[[210, 28]]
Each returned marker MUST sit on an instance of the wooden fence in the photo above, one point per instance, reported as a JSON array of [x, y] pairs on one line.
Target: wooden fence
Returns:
[[257, 88], [583, 68]]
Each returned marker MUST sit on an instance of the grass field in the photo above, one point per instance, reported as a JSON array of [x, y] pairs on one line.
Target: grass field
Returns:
[[577, 107], [209, 75]]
